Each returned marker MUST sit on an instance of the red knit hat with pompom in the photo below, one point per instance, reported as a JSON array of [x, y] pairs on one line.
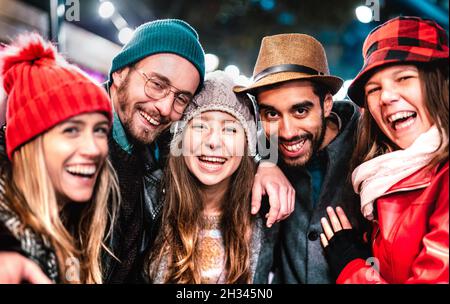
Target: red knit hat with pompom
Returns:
[[43, 90]]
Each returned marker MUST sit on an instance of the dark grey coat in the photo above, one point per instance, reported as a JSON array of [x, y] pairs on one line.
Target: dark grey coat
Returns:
[[299, 256]]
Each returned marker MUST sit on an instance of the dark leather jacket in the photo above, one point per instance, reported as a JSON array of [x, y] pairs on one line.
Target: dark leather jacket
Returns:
[[137, 222]]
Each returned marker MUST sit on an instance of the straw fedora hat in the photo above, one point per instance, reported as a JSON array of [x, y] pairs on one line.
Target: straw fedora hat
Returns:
[[287, 57]]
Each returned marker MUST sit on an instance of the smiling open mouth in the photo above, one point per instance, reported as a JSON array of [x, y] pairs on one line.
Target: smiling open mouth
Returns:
[[87, 171], [294, 147], [149, 118], [212, 162], [402, 120]]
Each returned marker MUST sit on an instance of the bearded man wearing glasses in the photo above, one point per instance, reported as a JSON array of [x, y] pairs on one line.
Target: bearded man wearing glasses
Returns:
[[152, 80]]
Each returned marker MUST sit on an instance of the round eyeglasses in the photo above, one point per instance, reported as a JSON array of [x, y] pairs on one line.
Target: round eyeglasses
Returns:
[[157, 88]]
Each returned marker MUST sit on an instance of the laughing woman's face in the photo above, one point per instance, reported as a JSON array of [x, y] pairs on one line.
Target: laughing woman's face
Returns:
[[396, 102], [213, 146], [75, 151]]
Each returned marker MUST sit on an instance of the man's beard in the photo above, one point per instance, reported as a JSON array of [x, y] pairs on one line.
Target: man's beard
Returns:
[[315, 146], [134, 134]]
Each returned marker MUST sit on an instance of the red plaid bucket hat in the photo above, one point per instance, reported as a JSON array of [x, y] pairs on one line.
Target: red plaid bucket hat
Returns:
[[402, 39]]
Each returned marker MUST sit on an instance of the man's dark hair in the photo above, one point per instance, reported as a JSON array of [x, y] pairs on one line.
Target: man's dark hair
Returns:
[[321, 91]]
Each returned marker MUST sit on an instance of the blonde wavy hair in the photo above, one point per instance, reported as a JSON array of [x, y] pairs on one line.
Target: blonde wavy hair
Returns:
[[81, 234]]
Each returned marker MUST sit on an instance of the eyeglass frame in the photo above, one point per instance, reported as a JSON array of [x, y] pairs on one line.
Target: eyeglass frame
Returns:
[[168, 90]]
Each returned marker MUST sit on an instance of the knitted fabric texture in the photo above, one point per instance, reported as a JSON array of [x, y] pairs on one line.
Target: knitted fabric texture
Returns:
[[217, 95], [43, 90], [162, 36]]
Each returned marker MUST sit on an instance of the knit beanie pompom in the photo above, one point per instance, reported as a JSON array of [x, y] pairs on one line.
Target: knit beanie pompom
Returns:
[[28, 49], [43, 90]]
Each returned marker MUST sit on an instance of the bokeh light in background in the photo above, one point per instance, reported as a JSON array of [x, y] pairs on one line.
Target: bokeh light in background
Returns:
[[342, 94], [106, 9], [286, 18], [267, 5], [61, 10], [243, 80], [229, 29], [125, 35], [211, 62], [364, 14], [232, 71]]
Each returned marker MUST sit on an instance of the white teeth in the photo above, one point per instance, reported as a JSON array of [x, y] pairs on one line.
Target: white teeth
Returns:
[[405, 124], [399, 115], [401, 120], [211, 166], [81, 169], [149, 118], [294, 148], [212, 159]]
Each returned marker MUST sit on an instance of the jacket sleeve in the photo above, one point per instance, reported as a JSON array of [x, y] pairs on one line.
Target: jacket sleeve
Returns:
[[431, 264]]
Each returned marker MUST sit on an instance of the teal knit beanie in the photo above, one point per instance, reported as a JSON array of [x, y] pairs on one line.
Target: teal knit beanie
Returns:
[[162, 36]]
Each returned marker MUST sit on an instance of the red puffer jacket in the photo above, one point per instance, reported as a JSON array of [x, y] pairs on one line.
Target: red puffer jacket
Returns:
[[410, 239]]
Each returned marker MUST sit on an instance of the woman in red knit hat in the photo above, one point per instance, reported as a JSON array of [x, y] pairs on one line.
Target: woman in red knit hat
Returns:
[[56, 180], [401, 159]]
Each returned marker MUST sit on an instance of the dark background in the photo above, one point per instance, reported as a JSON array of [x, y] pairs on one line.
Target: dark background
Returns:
[[233, 29]]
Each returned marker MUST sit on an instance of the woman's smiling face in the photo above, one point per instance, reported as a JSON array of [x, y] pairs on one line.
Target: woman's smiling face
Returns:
[[213, 146], [396, 101], [75, 151]]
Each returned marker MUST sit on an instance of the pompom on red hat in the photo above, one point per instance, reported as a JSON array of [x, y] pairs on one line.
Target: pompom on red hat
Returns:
[[400, 40], [43, 90]]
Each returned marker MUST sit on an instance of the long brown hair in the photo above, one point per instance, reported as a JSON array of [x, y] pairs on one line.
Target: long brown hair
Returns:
[[182, 221], [372, 142], [29, 192]]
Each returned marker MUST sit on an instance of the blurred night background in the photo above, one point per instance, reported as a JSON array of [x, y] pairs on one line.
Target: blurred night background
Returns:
[[87, 31]]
